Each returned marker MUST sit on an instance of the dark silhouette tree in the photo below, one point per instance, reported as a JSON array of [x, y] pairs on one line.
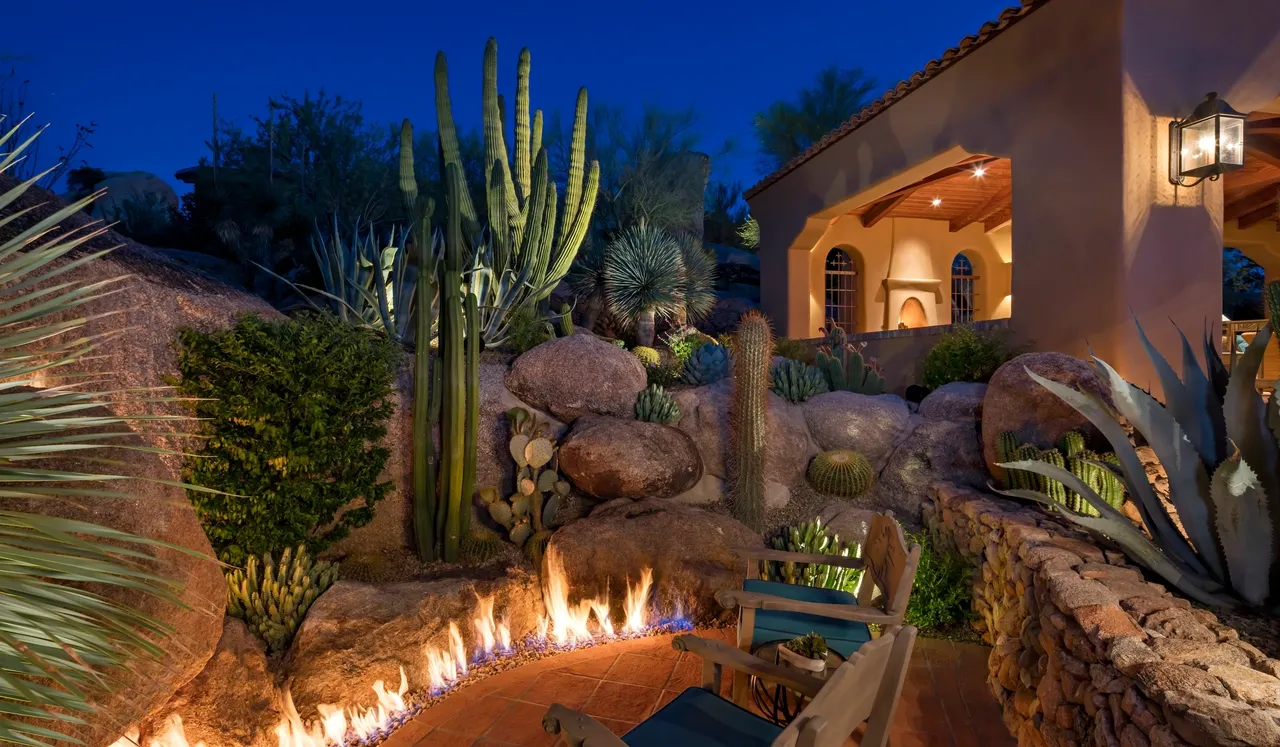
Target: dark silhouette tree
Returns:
[[787, 128]]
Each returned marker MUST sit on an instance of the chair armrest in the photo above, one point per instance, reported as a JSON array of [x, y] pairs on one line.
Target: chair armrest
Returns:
[[723, 654], [579, 729], [731, 598], [799, 557]]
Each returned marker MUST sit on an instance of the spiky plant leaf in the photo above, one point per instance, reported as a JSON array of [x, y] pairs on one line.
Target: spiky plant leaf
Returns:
[[699, 278], [1244, 528], [643, 271]]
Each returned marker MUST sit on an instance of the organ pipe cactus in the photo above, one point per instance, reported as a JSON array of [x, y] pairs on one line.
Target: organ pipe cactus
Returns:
[[1216, 437], [844, 365], [654, 405], [533, 236], [797, 381], [754, 348], [273, 598]]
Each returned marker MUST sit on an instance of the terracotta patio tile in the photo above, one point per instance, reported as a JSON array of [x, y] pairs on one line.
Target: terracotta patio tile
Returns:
[[596, 667], [477, 717], [446, 709], [686, 674], [908, 738], [618, 727], [522, 724], [666, 697], [567, 689], [637, 669], [659, 648], [622, 702], [440, 738]]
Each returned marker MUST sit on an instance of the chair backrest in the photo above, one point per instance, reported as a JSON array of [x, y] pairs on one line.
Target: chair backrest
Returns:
[[864, 688], [890, 563]]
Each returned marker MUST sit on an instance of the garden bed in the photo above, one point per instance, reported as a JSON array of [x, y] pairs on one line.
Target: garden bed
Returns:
[[1086, 651]]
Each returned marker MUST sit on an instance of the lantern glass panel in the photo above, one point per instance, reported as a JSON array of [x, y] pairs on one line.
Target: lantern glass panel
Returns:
[[1199, 146]]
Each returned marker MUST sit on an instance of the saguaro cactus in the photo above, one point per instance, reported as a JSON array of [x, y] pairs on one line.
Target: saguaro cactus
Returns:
[[753, 349]]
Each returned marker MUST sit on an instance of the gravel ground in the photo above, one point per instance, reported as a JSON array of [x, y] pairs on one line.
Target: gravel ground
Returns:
[[1257, 628]]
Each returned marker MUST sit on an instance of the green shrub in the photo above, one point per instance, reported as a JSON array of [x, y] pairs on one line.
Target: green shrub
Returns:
[[664, 374], [942, 596], [683, 341], [796, 350], [293, 414], [528, 329], [965, 354]]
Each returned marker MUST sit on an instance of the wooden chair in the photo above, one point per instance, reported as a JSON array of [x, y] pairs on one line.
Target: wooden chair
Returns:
[[864, 688], [772, 611]]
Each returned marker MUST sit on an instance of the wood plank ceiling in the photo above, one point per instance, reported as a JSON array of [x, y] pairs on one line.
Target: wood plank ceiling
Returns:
[[980, 188]]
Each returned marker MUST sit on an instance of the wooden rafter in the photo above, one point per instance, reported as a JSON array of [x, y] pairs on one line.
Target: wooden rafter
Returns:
[[1264, 149], [986, 209], [1257, 216], [1253, 179], [998, 218], [882, 208], [1250, 202]]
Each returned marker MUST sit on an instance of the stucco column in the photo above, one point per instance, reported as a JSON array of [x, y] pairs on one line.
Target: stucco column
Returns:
[[788, 295]]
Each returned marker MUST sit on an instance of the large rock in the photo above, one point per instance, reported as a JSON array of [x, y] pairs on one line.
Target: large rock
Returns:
[[576, 375], [935, 450], [139, 186], [356, 633], [1015, 402], [724, 316], [494, 465], [706, 414], [233, 702], [154, 511], [615, 458], [690, 550], [868, 425], [958, 400]]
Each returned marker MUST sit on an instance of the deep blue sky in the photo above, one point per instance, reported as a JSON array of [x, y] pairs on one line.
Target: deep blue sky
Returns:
[[145, 70]]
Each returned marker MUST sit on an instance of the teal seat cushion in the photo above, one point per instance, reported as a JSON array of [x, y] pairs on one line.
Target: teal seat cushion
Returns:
[[697, 718], [843, 636]]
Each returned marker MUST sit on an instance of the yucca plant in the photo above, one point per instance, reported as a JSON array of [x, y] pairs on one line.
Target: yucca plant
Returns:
[[64, 644], [644, 278], [1216, 437]]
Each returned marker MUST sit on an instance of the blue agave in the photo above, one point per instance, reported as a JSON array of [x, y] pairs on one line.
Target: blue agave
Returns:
[[707, 365]]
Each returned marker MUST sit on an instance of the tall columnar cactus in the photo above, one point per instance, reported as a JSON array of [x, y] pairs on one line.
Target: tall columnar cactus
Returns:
[[273, 598], [844, 365], [753, 349], [533, 237], [566, 320]]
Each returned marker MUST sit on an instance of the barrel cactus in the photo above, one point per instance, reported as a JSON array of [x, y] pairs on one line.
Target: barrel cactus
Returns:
[[647, 355], [797, 381], [654, 405], [272, 598], [812, 537], [842, 472], [706, 365]]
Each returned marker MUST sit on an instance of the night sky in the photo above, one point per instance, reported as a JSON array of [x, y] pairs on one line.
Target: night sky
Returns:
[[145, 71]]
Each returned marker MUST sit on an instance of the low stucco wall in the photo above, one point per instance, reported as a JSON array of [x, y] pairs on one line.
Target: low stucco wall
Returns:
[[1086, 652]]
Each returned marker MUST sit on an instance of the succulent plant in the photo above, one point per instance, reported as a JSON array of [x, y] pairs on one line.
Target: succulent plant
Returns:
[[1072, 455], [813, 537], [647, 355], [796, 381], [809, 645], [754, 343], [540, 490], [1216, 437], [841, 472], [654, 405], [682, 341], [707, 365], [843, 364], [478, 549], [273, 598]]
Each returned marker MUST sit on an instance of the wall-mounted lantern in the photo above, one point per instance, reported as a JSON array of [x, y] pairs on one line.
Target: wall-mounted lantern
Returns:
[[1207, 144]]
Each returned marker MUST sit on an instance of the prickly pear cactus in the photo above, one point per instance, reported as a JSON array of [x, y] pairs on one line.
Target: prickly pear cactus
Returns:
[[797, 381], [845, 367], [654, 405], [272, 598], [540, 491], [842, 472], [706, 365]]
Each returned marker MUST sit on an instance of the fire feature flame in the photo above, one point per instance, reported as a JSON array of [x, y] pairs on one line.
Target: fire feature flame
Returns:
[[565, 624]]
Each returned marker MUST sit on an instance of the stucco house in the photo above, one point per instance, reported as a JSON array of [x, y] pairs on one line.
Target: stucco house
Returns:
[[1044, 139]]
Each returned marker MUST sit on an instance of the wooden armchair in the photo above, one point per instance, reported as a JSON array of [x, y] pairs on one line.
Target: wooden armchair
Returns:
[[772, 611], [864, 688]]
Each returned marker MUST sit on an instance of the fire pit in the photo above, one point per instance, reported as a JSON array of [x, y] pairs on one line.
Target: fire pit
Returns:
[[485, 648]]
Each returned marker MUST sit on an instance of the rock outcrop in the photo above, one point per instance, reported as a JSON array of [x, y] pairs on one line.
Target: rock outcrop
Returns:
[[868, 425], [577, 375], [615, 458]]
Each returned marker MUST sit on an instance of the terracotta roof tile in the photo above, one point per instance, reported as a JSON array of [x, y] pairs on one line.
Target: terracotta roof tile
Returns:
[[989, 31]]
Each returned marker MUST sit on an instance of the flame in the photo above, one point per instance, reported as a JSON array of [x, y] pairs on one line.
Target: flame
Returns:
[[130, 739], [564, 624], [637, 603]]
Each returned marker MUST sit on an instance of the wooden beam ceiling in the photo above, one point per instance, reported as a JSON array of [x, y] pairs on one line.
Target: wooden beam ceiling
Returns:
[[1257, 216], [885, 205], [882, 208], [998, 218], [1250, 202], [994, 203], [1263, 149]]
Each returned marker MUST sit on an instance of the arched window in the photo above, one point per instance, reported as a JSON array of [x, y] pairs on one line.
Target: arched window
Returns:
[[842, 290], [962, 278]]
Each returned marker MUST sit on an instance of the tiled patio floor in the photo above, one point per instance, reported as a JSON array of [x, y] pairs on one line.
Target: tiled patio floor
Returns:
[[945, 701]]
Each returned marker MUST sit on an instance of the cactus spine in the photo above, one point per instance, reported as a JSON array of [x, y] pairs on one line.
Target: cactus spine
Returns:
[[753, 348], [272, 599], [841, 472], [1072, 455]]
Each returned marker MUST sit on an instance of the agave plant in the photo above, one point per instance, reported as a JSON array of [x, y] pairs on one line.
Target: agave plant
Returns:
[[62, 641], [644, 278], [1217, 440]]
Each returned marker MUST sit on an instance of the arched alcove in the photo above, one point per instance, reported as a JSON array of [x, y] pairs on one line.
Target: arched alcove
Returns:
[[912, 314]]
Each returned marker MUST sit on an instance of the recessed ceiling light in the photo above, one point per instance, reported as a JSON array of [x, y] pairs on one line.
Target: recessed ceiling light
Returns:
[[937, 201], [980, 171]]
